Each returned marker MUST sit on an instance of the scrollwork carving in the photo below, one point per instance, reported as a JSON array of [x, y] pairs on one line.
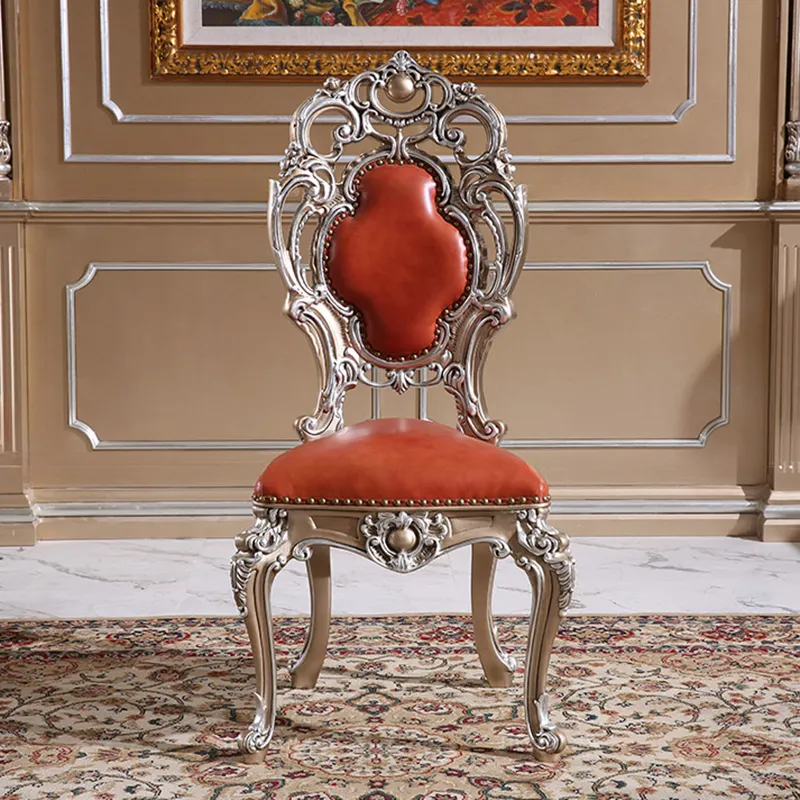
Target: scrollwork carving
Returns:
[[269, 532], [468, 197], [546, 737], [404, 542], [542, 540], [260, 732]]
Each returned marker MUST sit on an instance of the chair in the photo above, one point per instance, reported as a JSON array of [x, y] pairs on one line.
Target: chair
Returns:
[[399, 264]]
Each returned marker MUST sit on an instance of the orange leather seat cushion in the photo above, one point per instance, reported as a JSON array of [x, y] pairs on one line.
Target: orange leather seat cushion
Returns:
[[402, 461]]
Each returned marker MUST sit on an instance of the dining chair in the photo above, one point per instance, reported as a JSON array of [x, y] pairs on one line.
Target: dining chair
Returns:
[[400, 241]]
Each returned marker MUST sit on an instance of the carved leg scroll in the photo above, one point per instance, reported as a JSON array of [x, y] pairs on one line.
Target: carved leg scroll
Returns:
[[305, 671], [261, 552], [543, 552], [498, 666]]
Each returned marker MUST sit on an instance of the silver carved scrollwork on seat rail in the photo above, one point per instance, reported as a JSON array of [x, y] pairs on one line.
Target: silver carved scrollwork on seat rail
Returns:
[[326, 187], [403, 541]]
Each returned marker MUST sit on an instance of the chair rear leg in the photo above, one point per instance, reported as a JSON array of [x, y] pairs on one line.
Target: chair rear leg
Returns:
[[498, 666], [305, 671]]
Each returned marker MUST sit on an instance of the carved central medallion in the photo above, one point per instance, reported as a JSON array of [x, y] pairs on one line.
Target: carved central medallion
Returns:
[[402, 541]]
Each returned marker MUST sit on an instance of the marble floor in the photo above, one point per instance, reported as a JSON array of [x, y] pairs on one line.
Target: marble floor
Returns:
[[137, 578]]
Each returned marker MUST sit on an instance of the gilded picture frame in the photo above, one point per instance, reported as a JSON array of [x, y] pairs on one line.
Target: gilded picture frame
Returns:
[[183, 46]]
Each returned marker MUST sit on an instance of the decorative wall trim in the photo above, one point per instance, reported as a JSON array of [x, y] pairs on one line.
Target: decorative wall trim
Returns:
[[9, 433], [791, 148], [129, 158], [285, 119], [791, 153], [725, 377], [786, 350], [782, 511], [5, 149], [242, 509], [226, 213], [96, 442], [17, 516]]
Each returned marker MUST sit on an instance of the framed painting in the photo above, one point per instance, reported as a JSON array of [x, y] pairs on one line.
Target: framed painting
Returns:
[[500, 39]]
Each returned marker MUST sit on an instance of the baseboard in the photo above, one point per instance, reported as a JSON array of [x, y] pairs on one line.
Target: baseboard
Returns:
[[140, 527], [780, 530], [576, 525], [580, 511], [780, 517], [17, 527], [646, 525], [21, 534]]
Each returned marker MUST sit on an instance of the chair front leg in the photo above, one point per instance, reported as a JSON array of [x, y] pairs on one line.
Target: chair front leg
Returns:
[[498, 666], [305, 671], [262, 551], [543, 552]]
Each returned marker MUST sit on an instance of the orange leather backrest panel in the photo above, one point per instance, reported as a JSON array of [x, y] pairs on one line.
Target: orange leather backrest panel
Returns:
[[397, 261]]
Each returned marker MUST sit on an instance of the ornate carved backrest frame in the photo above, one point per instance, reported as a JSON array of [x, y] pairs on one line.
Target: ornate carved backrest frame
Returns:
[[401, 109]]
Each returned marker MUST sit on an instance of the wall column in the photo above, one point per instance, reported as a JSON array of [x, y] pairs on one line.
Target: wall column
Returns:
[[780, 518]]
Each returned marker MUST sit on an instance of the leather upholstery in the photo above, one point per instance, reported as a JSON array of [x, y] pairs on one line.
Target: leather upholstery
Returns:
[[397, 260], [403, 462]]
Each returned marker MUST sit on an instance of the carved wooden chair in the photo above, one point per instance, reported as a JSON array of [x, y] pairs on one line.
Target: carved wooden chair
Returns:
[[409, 265]]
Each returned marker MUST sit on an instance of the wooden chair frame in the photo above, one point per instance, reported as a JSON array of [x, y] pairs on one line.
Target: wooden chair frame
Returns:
[[398, 535]]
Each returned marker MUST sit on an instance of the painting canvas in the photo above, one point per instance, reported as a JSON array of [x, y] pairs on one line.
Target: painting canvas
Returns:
[[384, 13], [508, 39]]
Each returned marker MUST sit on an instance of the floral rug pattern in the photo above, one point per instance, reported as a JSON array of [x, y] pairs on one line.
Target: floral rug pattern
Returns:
[[656, 708]]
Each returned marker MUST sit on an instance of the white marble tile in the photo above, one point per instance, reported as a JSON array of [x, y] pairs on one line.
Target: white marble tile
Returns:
[[190, 576]]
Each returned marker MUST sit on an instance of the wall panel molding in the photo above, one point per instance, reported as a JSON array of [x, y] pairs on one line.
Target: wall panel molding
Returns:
[[95, 440], [526, 119], [719, 421], [785, 396], [10, 439], [98, 443], [228, 213], [70, 156]]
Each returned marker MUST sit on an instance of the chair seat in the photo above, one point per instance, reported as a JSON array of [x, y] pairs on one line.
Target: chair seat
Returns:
[[400, 462]]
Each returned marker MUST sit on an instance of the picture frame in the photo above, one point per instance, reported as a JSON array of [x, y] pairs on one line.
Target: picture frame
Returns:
[[506, 40]]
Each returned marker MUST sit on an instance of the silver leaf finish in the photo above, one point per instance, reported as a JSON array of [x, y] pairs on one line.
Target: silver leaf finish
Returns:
[[268, 533], [403, 541], [321, 185], [541, 539]]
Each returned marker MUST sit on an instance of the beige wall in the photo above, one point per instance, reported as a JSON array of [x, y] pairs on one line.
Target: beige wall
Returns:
[[661, 281]]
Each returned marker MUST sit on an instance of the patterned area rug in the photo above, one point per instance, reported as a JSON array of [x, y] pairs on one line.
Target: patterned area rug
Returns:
[[656, 708]]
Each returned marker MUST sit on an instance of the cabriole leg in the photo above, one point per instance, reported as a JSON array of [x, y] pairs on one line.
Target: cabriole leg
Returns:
[[261, 552], [543, 552], [498, 666], [305, 671]]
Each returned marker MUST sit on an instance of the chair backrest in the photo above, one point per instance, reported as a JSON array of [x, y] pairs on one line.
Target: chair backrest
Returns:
[[398, 260]]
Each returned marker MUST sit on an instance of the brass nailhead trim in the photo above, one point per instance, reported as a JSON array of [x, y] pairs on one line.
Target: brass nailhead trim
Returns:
[[461, 501], [454, 222]]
